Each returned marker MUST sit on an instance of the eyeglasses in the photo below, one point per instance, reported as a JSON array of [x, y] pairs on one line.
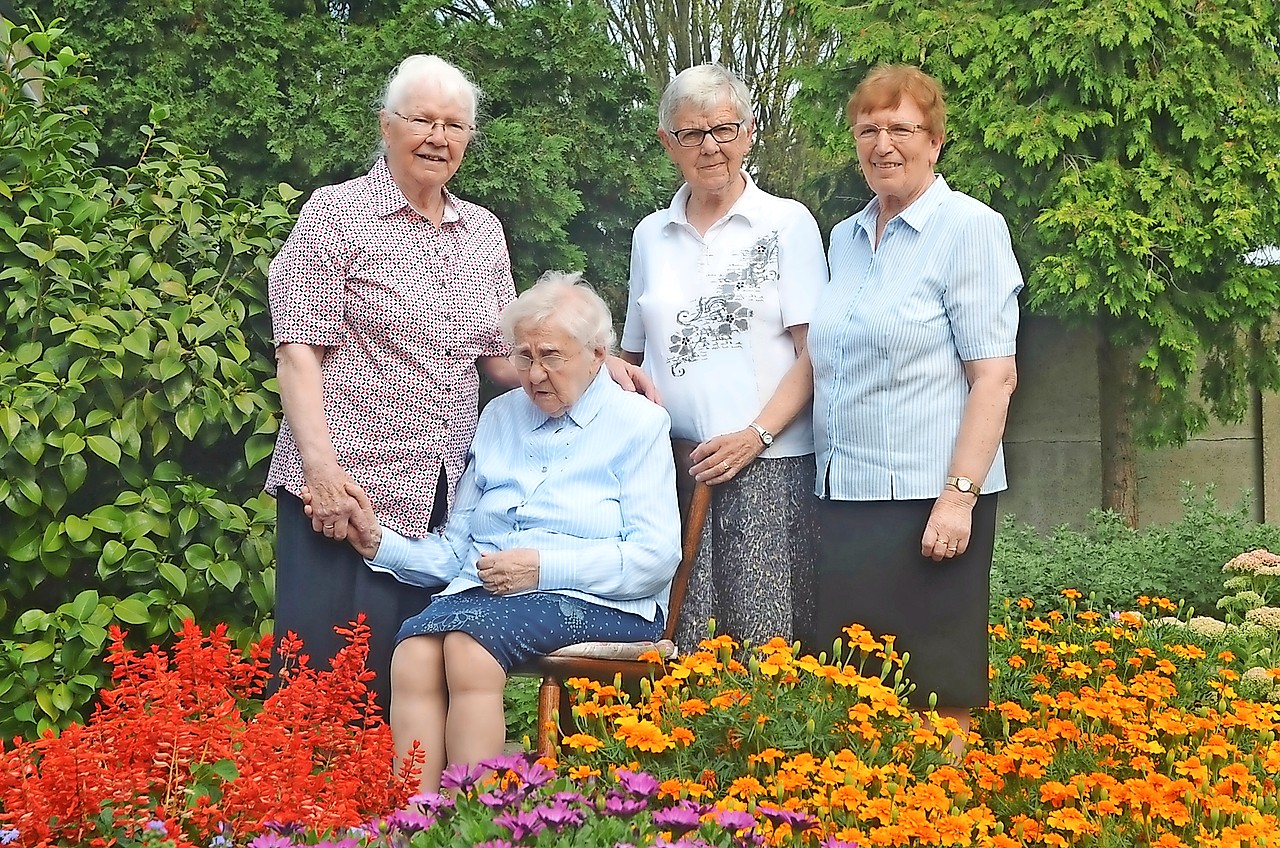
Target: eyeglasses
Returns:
[[693, 137], [901, 131], [423, 127], [549, 363]]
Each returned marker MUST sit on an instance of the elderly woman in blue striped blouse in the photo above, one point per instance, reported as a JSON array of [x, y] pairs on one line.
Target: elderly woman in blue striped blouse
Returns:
[[912, 346], [565, 530]]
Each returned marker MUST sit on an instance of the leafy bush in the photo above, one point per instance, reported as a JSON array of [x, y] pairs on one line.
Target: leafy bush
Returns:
[[1113, 564], [134, 406]]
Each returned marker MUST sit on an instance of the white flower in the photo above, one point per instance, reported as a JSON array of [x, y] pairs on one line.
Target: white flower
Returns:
[[1268, 617], [1203, 625], [1259, 561]]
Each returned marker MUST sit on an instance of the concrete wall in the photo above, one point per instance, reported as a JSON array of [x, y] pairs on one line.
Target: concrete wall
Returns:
[[1052, 446]]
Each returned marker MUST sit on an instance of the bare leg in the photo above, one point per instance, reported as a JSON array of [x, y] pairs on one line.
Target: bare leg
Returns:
[[419, 704], [476, 728]]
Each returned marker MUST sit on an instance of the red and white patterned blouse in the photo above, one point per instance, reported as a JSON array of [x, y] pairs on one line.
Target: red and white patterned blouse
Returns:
[[404, 308]]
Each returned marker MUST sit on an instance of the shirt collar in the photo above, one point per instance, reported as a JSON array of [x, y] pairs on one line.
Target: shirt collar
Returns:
[[389, 199], [583, 412], [749, 203], [916, 215]]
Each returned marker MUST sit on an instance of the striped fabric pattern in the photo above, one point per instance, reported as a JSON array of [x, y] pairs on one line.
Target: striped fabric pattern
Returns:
[[890, 337]]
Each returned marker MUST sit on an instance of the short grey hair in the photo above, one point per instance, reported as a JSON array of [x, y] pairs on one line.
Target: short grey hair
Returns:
[[567, 301], [703, 87], [434, 72]]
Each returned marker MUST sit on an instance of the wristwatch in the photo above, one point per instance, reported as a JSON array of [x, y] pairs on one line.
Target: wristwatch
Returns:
[[964, 484], [765, 436]]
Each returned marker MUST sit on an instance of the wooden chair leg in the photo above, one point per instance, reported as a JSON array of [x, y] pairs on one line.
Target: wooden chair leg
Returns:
[[548, 706]]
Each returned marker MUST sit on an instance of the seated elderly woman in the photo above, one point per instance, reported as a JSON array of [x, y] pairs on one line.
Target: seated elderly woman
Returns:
[[565, 530]]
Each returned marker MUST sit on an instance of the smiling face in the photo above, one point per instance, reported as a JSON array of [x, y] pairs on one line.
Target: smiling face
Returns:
[[421, 165], [554, 392], [898, 171], [712, 167]]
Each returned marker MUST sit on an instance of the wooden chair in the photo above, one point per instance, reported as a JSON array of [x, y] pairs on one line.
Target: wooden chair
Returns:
[[606, 660]]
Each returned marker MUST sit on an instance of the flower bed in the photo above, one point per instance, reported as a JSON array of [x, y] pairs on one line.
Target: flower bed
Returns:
[[1106, 729]]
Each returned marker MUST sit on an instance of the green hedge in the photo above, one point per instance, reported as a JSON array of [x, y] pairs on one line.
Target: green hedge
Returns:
[[135, 401]]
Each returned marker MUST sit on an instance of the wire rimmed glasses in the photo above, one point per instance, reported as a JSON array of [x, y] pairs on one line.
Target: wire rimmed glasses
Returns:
[[898, 131], [423, 127], [549, 362]]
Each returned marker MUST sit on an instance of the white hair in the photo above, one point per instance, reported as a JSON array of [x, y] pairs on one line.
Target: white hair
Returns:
[[704, 87], [433, 72], [565, 300]]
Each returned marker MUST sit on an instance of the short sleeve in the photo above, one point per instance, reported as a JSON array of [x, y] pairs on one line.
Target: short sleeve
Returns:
[[633, 327], [306, 283], [802, 267], [982, 296]]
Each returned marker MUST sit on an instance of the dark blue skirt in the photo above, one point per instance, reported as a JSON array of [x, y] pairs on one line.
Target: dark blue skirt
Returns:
[[517, 628]]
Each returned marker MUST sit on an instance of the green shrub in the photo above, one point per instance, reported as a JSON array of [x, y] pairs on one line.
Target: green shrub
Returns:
[[134, 405], [1115, 564]]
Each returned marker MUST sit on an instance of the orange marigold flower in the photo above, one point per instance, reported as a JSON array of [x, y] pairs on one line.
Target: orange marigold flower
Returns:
[[583, 772], [683, 735], [746, 787], [583, 742], [1017, 661], [1077, 670], [642, 735], [1072, 594], [693, 707], [1025, 603]]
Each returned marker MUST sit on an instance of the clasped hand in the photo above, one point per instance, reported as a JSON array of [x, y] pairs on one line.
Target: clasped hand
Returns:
[[509, 572], [360, 527]]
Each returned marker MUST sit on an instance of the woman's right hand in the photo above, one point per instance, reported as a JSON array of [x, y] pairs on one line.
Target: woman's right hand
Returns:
[[361, 530], [331, 506]]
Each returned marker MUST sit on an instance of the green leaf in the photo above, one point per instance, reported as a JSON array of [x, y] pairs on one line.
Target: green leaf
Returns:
[[174, 576], [66, 242], [188, 419], [160, 234], [199, 557], [30, 490], [132, 611], [77, 528], [258, 448], [112, 552], [226, 572], [105, 448], [84, 604], [36, 651], [74, 469], [10, 424]]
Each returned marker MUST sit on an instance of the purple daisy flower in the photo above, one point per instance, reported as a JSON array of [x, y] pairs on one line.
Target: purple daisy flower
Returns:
[[560, 816], [9, 835], [638, 783], [534, 774], [461, 776], [568, 796], [410, 821], [797, 820], [270, 840], [679, 819], [432, 802], [617, 804], [506, 762], [734, 819], [521, 823]]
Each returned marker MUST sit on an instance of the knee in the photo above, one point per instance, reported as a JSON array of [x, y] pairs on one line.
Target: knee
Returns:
[[469, 664], [417, 662]]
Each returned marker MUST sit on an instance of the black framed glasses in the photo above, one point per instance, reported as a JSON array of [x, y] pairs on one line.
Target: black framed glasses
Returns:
[[423, 127], [899, 131], [722, 133]]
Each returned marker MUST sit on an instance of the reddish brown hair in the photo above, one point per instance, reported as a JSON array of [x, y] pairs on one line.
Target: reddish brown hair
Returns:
[[888, 85]]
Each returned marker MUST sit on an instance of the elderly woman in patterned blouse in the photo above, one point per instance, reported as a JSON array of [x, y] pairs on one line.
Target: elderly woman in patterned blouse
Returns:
[[384, 301], [565, 530], [723, 285]]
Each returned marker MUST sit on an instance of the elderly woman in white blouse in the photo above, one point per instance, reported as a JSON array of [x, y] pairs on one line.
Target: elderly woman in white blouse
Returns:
[[565, 530], [913, 359]]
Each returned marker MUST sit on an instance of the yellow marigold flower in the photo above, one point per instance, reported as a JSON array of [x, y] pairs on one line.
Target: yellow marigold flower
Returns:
[[670, 788], [1038, 625], [746, 787], [1089, 616], [1227, 656], [1025, 603], [1017, 661], [583, 772], [997, 631], [1072, 594], [583, 742]]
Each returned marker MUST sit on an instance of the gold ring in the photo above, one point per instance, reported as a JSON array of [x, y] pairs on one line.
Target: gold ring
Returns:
[[725, 465]]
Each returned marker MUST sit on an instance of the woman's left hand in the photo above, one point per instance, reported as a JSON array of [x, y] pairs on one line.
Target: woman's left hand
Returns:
[[509, 572], [721, 458], [632, 378], [950, 523]]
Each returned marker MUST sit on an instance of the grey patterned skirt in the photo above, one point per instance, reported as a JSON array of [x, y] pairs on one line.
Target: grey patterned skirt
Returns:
[[754, 573]]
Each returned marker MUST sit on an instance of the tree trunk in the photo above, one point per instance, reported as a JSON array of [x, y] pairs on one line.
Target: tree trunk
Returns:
[[1119, 454]]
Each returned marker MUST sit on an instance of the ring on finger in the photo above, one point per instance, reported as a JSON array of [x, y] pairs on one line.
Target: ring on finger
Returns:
[[725, 465]]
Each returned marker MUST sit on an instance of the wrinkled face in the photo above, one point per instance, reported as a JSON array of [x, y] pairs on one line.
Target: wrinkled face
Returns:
[[554, 390], [713, 166], [898, 171], [427, 161]]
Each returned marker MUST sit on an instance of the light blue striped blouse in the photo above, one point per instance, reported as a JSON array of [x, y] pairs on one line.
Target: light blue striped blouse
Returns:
[[890, 337], [593, 491]]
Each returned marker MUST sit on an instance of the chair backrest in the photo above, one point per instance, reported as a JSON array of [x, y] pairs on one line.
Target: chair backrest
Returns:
[[694, 517]]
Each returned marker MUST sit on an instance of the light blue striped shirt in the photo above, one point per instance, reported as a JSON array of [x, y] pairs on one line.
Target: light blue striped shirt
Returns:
[[890, 337], [593, 491]]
